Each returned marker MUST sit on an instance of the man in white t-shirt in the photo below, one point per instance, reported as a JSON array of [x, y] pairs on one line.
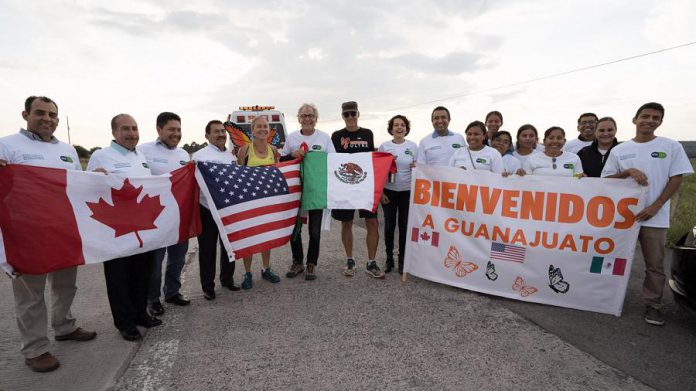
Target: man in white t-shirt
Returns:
[[163, 156], [214, 152], [587, 124], [36, 146], [437, 147], [658, 163], [315, 140]]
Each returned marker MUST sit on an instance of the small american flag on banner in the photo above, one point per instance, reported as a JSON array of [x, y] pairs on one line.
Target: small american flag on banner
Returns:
[[507, 252], [255, 207]]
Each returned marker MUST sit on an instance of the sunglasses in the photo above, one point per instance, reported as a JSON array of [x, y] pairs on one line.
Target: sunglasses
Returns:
[[350, 114], [553, 161], [306, 116]]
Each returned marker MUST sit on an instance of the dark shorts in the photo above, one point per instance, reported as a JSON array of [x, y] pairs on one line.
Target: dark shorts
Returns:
[[347, 214]]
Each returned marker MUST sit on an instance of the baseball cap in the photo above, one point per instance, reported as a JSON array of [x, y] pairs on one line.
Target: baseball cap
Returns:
[[349, 106]]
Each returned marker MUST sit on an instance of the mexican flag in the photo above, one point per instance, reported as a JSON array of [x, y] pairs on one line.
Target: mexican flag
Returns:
[[52, 219], [344, 180]]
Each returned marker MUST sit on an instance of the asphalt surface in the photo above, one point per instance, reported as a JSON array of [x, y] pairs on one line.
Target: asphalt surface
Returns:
[[359, 333]]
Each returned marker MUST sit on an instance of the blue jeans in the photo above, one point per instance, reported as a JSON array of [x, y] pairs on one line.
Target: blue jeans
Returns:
[[176, 257]]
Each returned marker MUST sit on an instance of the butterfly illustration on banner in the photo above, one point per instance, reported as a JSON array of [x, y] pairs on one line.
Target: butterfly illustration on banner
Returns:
[[455, 262], [556, 282], [241, 137], [520, 286], [490, 271]]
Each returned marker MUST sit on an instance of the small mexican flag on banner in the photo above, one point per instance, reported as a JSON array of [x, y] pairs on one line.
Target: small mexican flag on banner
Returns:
[[616, 267], [344, 180]]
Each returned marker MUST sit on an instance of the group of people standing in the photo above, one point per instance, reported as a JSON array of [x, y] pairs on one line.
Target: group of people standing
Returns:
[[134, 283]]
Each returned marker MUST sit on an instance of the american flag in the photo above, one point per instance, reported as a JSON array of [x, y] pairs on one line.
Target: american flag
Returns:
[[256, 207], [507, 252]]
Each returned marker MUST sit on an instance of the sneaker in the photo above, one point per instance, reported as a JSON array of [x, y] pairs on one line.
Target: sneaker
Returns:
[[43, 363], [295, 270], [309, 275], [268, 275], [373, 270], [654, 317], [349, 271], [246, 284]]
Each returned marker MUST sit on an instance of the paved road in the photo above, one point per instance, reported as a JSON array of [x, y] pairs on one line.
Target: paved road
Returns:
[[339, 333]]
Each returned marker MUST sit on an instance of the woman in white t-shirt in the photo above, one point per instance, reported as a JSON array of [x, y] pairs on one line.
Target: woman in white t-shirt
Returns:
[[553, 161], [527, 143], [477, 156], [502, 142], [397, 193]]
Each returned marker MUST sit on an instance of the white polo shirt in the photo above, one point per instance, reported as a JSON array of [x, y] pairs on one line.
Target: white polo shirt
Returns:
[[405, 154], [161, 158], [659, 159], [27, 148], [575, 145], [436, 150], [317, 141], [118, 160], [486, 159]]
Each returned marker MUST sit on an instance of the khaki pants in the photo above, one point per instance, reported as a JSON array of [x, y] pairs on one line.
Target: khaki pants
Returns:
[[652, 244], [32, 315]]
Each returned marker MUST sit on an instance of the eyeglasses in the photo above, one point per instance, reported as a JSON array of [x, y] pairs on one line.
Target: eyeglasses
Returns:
[[553, 161], [306, 116], [350, 114], [583, 123]]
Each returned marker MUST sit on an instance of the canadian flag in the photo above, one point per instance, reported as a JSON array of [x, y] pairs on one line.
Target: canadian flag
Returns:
[[51, 219], [425, 236]]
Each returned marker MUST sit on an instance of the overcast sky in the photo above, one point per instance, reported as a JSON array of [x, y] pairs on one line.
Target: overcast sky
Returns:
[[202, 59]]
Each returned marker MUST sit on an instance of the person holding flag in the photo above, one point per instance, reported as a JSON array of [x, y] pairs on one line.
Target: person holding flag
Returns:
[[308, 138], [36, 146]]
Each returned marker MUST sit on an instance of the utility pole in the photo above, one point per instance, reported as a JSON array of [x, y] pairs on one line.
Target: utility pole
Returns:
[[67, 121]]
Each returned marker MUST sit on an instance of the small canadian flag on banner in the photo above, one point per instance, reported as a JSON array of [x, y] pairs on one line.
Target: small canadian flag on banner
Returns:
[[425, 236]]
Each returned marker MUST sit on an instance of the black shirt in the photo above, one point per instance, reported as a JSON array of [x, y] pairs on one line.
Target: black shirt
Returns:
[[350, 142]]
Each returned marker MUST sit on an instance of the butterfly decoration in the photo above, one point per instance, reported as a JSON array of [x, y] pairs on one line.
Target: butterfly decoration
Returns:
[[490, 271], [519, 286], [455, 262], [241, 137], [556, 282]]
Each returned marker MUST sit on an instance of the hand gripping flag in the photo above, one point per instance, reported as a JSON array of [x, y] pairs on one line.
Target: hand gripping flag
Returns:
[[254, 207], [345, 180], [52, 219]]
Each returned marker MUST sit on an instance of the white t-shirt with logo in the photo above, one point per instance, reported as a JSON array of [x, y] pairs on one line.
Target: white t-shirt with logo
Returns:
[[405, 154], [21, 149], [317, 141], [659, 159], [436, 150], [486, 159], [511, 163], [567, 164], [523, 158], [162, 159], [117, 160]]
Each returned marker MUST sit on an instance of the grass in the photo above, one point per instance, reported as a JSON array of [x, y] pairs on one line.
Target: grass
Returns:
[[684, 209]]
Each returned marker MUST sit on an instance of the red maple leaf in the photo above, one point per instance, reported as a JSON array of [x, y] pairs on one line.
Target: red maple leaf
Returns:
[[425, 236], [127, 215]]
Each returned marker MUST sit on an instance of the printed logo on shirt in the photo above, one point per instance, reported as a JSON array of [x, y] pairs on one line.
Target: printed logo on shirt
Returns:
[[146, 166], [182, 162], [316, 147], [434, 147], [481, 160], [408, 152], [659, 155], [29, 156], [121, 165], [569, 166], [455, 146], [160, 160], [627, 156], [66, 159]]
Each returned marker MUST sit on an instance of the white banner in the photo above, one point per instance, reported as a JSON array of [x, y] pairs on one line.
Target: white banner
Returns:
[[560, 241]]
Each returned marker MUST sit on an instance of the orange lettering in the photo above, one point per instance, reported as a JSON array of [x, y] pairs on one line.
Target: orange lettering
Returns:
[[551, 206], [568, 241], [448, 195], [607, 215], [598, 246], [428, 222], [489, 200], [532, 204], [436, 194], [482, 231], [509, 202], [519, 238], [451, 225], [421, 194], [466, 198], [568, 202], [626, 213]]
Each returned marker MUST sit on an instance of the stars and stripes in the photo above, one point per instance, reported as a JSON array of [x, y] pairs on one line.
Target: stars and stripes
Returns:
[[256, 206], [507, 252]]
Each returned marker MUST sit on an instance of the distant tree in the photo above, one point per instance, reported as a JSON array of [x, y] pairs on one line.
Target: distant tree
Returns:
[[91, 151], [82, 152], [193, 147]]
